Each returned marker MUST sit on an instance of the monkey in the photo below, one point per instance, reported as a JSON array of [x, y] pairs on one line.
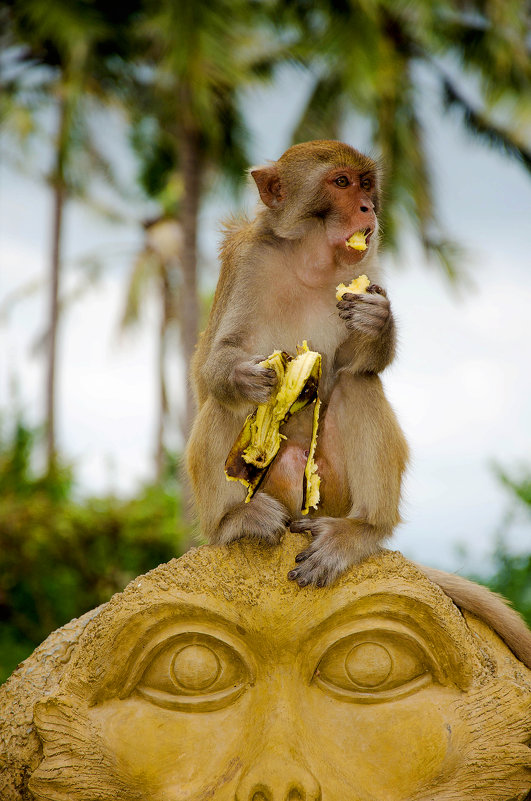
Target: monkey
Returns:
[[279, 271], [277, 286]]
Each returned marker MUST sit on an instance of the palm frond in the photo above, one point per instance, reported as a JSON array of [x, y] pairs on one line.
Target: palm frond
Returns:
[[323, 112], [486, 129], [145, 270]]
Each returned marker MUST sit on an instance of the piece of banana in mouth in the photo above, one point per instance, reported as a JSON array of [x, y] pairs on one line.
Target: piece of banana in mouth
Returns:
[[358, 240]]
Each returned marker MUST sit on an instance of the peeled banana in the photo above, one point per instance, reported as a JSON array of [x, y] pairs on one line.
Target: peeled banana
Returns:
[[358, 286], [357, 241], [260, 438]]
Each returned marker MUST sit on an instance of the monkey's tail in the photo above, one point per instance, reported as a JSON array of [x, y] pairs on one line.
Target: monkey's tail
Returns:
[[487, 605]]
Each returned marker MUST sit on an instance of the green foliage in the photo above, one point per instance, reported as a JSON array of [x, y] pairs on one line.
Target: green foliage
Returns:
[[372, 63], [512, 578], [61, 556], [511, 575]]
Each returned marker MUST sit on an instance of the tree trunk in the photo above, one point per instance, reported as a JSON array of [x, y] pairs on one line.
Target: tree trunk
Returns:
[[189, 311], [59, 197], [165, 301]]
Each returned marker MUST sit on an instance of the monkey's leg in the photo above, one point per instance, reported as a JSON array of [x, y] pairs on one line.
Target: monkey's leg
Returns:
[[223, 514], [374, 454]]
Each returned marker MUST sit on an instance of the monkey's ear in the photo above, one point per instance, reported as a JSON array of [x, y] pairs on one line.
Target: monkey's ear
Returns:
[[267, 180]]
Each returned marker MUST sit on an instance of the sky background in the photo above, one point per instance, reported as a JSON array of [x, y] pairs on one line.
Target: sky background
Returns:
[[460, 385]]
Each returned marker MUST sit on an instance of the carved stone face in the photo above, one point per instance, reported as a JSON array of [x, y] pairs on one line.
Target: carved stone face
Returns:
[[214, 677]]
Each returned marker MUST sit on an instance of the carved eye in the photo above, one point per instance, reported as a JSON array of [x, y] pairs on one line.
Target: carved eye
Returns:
[[366, 184], [194, 672], [341, 181], [375, 666]]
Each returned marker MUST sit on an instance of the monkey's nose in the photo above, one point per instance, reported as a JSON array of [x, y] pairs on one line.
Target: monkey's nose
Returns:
[[364, 208], [276, 780]]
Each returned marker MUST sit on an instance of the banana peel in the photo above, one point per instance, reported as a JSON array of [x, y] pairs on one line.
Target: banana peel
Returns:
[[358, 286], [260, 438], [310, 489]]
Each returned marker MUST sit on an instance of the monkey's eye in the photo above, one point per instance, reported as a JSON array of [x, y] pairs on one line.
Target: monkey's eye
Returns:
[[366, 184], [341, 181], [194, 672], [373, 666]]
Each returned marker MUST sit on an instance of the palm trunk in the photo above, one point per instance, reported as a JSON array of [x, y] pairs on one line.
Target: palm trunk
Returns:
[[191, 169], [161, 361], [189, 311], [59, 197]]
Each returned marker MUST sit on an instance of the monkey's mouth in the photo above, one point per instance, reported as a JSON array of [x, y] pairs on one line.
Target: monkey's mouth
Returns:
[[359, 240]]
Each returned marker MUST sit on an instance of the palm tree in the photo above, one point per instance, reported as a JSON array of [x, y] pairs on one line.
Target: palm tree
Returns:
[[202, 53], [157, 268], [60, 53], [370, 64]]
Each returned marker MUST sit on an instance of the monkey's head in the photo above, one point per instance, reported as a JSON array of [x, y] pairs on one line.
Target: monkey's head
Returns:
[[323, 186]]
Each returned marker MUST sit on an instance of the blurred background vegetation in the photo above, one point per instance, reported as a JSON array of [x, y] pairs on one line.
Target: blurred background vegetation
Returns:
[[176, 71]]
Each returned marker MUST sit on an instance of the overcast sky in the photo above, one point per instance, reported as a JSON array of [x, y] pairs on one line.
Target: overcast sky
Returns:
[[460, 385]]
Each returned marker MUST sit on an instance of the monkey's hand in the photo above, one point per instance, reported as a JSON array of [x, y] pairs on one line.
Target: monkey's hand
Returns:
[[338, 543], [367, 314], [253, 381]]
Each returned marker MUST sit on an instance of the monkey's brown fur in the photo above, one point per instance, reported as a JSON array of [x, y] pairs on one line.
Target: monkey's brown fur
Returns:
[[276, 288]]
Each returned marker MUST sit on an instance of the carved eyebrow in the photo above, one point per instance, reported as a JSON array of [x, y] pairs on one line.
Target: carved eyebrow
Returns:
[[151, 629], [417, 617]]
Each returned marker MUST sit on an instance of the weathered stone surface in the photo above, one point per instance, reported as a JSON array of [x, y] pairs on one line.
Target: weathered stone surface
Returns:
[[36, 677], [214, 677]]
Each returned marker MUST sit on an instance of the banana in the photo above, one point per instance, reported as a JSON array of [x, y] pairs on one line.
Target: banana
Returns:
[[358, 286], [310, 493], [357, 241], [260, 438]]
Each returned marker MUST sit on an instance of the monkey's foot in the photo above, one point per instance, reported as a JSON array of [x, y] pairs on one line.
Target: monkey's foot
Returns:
[[338, 543], [263, 518]]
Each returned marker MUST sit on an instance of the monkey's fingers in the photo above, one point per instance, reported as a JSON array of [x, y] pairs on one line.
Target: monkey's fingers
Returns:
[[255, 382], [266, 375], [366, 313], [298, 526], [377, 289], [315, 567], [372, 325], [370, 301], [258, 388], [378, 310]]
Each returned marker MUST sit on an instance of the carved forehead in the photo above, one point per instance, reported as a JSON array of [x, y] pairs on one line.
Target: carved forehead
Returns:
[[327, 152], [244, 587]]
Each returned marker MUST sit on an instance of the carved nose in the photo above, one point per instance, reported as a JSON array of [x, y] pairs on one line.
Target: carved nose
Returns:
[[278, 781]]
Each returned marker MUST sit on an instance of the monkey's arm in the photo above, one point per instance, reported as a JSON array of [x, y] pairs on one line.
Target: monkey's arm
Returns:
[[371, 346]]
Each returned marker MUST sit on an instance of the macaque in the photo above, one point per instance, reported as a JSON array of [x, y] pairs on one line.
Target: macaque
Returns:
[[277, 288]]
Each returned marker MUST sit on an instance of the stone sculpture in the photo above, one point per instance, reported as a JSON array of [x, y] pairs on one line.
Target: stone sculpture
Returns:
[[214, 677]]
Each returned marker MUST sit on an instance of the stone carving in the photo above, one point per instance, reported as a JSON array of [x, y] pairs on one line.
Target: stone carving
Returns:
[[214, 677]]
